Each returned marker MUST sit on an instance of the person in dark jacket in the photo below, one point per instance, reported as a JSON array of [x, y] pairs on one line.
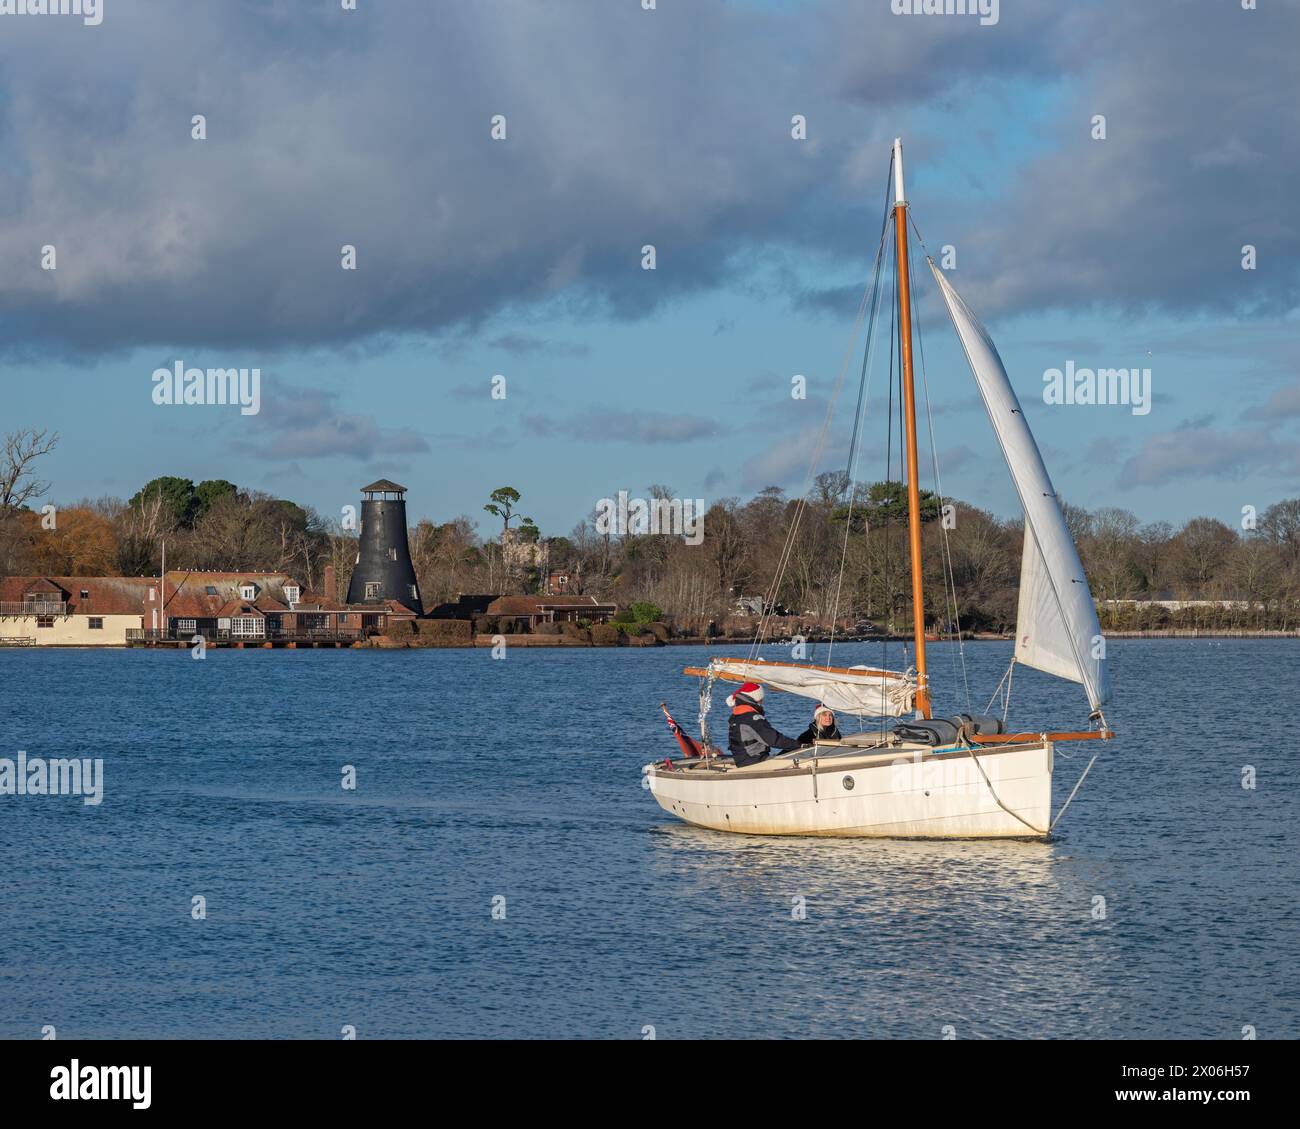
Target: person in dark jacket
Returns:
[[750, 736], [823, 727]]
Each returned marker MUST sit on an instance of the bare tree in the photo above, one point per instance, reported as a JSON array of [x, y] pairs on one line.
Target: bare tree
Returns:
[[341, 557], [18, 482], [1280, 523], [140, 530]]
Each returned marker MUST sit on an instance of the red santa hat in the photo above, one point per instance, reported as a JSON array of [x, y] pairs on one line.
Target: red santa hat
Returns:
[[752, 690]]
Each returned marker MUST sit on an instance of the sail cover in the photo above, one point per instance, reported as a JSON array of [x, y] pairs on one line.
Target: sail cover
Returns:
[[1056, 622], [869, 693]]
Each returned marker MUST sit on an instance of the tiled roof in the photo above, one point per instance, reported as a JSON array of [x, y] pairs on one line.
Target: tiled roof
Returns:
[[535, 605], [233, 608], [42, 584], [188, 598], [106, 595], [312, 602]]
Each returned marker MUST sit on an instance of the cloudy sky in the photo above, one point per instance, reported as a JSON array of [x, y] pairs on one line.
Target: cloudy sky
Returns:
[[624, 128]]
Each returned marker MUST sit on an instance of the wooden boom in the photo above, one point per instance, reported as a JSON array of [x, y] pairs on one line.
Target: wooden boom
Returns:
[[702, 672], [1017, 738]]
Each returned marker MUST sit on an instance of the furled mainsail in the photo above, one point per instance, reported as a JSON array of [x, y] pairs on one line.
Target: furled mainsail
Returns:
[[868, 693], [1056, 623]]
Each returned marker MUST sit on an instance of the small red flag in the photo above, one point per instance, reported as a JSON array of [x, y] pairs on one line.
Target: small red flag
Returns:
[[688, 745]]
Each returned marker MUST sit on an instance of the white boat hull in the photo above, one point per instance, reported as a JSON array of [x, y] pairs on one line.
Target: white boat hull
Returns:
[[898, 793]]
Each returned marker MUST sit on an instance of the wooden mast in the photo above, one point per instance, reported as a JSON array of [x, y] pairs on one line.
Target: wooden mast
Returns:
[[909, 426]]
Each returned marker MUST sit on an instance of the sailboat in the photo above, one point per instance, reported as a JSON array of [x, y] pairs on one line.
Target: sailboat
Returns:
[[967, 777]]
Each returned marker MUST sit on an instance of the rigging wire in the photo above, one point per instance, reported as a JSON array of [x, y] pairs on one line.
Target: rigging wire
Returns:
[[864, 388], [1005, 680], [852, 489], [889, 447], [769, 598]]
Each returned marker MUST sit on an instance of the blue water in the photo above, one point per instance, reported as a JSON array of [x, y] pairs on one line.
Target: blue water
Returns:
[[520, 778]]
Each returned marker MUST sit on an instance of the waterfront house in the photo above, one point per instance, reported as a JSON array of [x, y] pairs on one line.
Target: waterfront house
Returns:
[[465, 606], [73, 611], [258, 607], [111, 611], [536, 610], [221, 604]]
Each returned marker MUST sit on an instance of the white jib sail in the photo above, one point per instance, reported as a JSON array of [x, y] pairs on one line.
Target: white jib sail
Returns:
[[1056, 622], [868, 693]]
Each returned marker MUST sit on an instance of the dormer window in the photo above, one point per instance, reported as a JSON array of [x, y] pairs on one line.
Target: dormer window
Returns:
[[248, 591], [291, 593]]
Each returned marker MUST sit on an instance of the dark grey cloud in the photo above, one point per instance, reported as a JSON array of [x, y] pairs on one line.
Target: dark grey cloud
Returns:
[[1201, 156], [626, 127], [372, 128], [882, 59]]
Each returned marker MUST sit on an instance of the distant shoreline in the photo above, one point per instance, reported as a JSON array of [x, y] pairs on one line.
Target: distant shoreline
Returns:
[[554, 642]]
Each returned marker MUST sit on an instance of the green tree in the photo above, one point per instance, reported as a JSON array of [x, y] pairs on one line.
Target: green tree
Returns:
[[177, 495], [885, 503], [502, 503], [208, 492], [643, 611]]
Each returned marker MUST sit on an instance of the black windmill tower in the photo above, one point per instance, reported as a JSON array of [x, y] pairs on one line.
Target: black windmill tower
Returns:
[[383, 570]]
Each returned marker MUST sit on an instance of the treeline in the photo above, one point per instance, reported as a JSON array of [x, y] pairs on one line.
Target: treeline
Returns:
[[212, 525], [1229, 578], [218, 525], [1242, 578]]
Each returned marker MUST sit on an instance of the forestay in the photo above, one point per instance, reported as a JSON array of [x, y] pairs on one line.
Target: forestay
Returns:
[[868, 693], [1056, 625]]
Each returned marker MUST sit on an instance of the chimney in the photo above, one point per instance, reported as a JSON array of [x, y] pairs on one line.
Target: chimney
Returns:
[[331, 584]]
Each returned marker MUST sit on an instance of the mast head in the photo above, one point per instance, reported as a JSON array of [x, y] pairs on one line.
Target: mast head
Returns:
[[899, 198]]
